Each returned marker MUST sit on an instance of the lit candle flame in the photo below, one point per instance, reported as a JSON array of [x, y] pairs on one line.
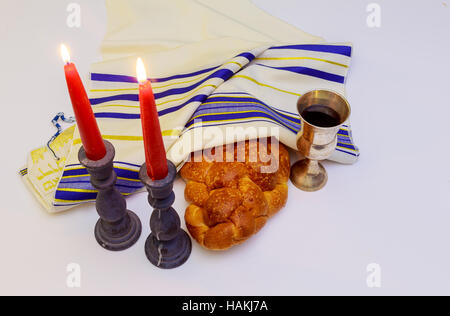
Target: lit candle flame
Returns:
[[140, 70], [65, 54]]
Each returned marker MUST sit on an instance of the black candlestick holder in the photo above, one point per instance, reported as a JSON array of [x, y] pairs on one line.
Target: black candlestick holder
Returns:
[[168, 246], [118, 228]]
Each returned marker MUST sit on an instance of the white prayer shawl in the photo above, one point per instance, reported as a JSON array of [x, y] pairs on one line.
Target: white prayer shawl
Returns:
[[214, 65]]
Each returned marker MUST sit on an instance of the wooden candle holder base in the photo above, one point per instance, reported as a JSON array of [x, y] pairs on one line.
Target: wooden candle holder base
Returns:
[[118, 228], [168, 246]]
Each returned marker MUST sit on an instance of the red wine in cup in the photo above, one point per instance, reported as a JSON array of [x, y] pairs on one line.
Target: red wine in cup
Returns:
[[321, 116]]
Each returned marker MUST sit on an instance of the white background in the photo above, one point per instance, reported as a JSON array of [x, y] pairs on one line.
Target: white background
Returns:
[[391, 208]]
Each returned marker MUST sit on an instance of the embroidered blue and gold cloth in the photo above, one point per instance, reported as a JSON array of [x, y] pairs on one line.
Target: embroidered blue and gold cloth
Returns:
[[213, 65]]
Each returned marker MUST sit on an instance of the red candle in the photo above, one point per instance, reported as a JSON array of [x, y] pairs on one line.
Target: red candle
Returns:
[[155, 153], [87, 125]]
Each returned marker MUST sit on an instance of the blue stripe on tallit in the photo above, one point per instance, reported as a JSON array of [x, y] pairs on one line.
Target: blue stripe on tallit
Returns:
[[334, 49], [310, 72], [348, 153], [130, 79], [120, 173]]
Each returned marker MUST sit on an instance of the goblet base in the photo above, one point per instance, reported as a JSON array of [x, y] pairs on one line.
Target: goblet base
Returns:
[[308, 175]]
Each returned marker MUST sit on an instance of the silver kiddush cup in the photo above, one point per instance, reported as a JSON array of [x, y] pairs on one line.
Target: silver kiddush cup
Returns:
[[322, 113]]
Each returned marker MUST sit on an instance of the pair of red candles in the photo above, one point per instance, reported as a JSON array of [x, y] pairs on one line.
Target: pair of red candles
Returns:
[[155, 154]]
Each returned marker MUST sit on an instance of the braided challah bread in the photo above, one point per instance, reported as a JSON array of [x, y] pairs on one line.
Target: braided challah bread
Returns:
[[231, 201]]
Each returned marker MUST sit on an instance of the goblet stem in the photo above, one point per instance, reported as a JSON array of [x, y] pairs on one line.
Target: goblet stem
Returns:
[[309, 175]]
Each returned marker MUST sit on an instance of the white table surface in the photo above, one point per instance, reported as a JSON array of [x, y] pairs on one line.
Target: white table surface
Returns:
[[391, 208]]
